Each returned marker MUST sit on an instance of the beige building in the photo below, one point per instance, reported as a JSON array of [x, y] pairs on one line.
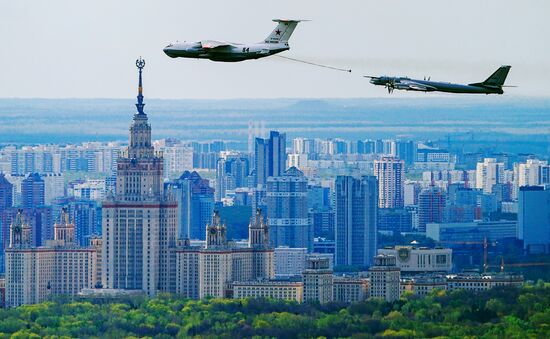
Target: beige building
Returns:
[[422, 286], [139, 223], [385, 278], [350, 289], [97, 243], [273, 289], [59, 268], [412, 259], [318, 280], [481, 282], [210, 271]]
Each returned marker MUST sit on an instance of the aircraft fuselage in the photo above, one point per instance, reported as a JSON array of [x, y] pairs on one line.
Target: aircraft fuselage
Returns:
[[228, 53]]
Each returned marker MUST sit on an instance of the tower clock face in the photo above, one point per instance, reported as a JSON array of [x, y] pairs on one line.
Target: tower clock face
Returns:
[[213, 231]]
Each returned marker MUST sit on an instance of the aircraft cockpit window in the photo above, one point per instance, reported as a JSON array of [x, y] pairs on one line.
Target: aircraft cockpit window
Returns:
[[170, 45]]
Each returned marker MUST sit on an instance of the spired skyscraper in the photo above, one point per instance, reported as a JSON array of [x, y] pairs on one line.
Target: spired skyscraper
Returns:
[[139, 222]]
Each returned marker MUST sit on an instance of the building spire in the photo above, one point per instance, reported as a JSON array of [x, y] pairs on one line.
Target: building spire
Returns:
[[140, 63]]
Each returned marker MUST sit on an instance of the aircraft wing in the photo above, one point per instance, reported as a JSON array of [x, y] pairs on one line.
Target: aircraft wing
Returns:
[[415, 86], [211, 44]]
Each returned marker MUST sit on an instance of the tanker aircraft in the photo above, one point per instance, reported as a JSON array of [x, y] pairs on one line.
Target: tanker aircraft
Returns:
[[276, 42]]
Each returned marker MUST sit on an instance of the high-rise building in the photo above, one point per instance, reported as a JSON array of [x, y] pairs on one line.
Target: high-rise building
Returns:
[[394, 220], [489, 173], [139, 222], [287, 212], [406, 151], [356, 220], [322, 222], [231, 173], [431, 207], [269, 157], [32, 191], [195, 200], [390, 173], [461, 205], [177, 159], [533, 172], [534, 218], [6, 193], [385, 278]]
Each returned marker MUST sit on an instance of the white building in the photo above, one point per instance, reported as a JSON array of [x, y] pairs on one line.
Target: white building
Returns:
[[92, 189], [489, 173], [412, 259], [177, 159], [54, 186]]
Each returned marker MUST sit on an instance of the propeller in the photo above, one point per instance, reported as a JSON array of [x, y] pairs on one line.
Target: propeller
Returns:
[[390, 85]]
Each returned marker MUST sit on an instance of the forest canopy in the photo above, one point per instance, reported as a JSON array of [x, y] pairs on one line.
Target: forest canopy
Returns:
[[504, 312]]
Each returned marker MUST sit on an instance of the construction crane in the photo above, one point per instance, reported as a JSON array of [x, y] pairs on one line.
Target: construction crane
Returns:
[[502, 265], [519, 264], [485, 244]]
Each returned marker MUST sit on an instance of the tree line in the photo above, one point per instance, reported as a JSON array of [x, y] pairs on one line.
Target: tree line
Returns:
[[504, 312]]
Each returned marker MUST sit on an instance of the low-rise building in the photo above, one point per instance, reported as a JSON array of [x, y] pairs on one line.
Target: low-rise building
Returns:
[[482, 282], [472, 231], [412, 259], [422, 286], [59, 268], [350, 289], [272, 289]]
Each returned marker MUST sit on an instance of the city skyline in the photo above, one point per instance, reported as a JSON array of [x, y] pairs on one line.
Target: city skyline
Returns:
[[280, 194]]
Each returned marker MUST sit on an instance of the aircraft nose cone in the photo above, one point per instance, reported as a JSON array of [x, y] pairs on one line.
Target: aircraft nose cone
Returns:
[[169, 51]]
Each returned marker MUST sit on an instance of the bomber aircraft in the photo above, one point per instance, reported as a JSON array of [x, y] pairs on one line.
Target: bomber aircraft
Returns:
[[493, 84], [276, 42]]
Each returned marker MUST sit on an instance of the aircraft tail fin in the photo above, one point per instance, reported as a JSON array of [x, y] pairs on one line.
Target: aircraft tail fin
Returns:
[[283, 31], [497, 78]]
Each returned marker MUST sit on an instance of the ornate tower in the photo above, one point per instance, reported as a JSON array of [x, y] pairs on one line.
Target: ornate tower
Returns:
[[64, 230], [139, 171], [216, 232], [258, 233], [139, 222], [20, 231]]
